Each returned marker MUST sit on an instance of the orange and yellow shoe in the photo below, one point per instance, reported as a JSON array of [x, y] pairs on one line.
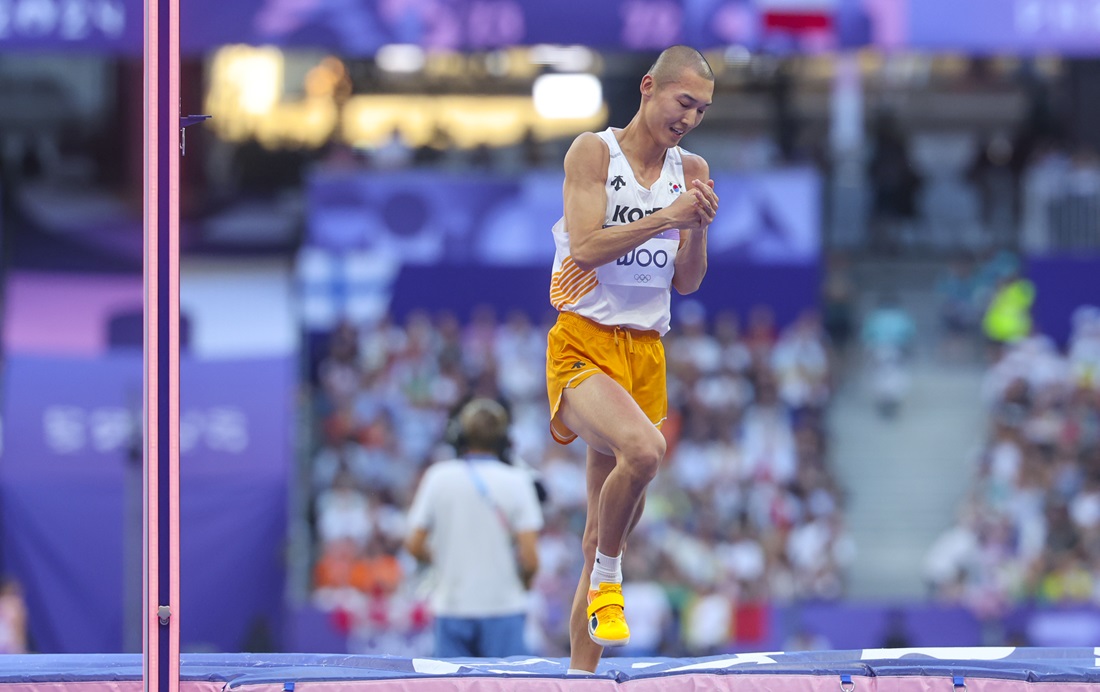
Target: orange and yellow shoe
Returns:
[[606, 620]]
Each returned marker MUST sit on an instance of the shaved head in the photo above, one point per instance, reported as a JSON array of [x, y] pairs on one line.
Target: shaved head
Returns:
[[672, 62]]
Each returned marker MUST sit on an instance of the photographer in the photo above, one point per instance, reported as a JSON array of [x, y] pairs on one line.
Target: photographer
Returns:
[[476, 520]]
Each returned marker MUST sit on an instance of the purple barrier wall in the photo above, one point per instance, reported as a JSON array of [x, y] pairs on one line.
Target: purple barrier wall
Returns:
[[787, 288], [71, 499], [1062, 284], [874, 625], [834, 626]]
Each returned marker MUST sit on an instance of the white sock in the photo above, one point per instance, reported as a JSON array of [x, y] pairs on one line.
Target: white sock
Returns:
[[578, 671], [606, 569]]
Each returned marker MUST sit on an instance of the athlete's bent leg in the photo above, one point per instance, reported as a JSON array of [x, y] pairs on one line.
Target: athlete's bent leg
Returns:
[[584, 653], [605, 416], [625, 451]]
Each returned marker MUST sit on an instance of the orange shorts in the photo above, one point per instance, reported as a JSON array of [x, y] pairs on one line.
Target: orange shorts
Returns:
[[578, 348]]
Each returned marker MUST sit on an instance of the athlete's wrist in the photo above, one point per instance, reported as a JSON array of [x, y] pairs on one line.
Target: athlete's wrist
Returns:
[[661, 221]]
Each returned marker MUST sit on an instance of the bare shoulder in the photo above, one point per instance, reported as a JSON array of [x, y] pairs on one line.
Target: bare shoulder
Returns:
[[588, 155], [695, 166], [588, 142]]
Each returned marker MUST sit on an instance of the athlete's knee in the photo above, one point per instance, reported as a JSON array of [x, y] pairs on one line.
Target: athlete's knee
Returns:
[[642, 454]]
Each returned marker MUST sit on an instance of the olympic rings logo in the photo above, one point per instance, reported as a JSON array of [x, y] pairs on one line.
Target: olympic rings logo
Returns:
[[642, 278]]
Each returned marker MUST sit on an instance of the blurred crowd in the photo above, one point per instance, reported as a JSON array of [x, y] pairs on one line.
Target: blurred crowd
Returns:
[[1029, 529], [744, 513], [1060, 201]]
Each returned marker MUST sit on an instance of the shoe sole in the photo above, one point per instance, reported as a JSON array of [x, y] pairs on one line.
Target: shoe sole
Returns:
[[609, 642]]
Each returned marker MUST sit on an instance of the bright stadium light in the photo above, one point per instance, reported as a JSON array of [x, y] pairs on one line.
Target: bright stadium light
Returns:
[[252, 77], [565, 96], [401, 57]]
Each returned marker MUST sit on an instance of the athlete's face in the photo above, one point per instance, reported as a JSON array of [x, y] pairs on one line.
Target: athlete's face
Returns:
[[676, 107]]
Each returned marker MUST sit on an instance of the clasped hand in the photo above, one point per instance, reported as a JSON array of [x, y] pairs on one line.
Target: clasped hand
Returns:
[[696, 207]]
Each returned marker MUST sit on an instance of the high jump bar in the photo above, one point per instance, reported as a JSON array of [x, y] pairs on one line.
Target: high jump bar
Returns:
[[161, 583]]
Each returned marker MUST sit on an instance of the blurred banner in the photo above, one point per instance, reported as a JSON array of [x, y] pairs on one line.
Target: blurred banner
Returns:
[[360, 27], [428, 218], [355, 28], [399, 242], [71, 498], [1005, 26]]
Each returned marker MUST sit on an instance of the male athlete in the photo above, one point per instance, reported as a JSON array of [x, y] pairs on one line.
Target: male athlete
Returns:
[[636, 212]]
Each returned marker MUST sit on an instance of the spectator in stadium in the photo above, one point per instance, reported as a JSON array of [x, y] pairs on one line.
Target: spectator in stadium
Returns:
[[342, 512], [476, 519], [736, 357], [958, 309], [896, 183], [1084, 347], [761, 334], [1008, 317], [339, 372], [801, 364], [888, 335], [767, 436], [838, 302]]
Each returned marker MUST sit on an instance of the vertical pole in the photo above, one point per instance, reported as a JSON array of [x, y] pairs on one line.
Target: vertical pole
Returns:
[[160, 601]]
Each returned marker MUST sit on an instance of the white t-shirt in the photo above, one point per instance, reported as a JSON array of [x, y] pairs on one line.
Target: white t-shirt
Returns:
[[472, 551]]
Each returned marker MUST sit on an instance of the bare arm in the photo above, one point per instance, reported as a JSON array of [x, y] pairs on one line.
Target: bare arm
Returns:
[[691, 258], [528, 556], [417, 545], [590, 244]]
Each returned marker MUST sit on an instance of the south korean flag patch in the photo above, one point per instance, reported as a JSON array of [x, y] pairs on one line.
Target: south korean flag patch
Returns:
[[675, 187]]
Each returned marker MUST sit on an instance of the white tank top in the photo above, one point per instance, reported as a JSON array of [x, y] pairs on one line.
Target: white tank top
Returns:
[[634, 290]]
